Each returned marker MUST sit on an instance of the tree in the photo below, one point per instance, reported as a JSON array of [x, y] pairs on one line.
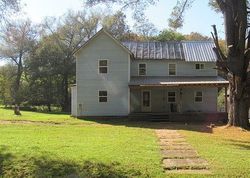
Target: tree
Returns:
[[236, 61], [176, 19], [43, 69], [7, 73], [145, 28], [70, 33], [171, 35], [18, 38], [7, 7], [116, 24], [195, 36]]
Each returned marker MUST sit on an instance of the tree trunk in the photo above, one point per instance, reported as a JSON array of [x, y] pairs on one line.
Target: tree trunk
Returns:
[[16, 91], [65, 106], [236, 62], [49, 107], [238, 105]]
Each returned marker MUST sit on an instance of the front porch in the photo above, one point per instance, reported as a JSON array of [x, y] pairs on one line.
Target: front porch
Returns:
[[182, 97]]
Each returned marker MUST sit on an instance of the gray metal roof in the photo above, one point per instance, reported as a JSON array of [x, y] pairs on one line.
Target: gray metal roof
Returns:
[[190, 51], [199, 51], [175, 80]]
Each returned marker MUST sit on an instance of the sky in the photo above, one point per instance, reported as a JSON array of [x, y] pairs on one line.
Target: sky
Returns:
[[198, 18]]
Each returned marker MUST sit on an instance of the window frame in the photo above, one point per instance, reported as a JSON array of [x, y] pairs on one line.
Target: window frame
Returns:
[[200, 64], [175, 69], [99, 60], [195, 96], [139, 69], [99, 96], [172, 97]]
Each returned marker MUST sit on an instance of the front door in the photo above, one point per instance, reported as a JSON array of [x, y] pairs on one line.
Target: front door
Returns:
[[146, 101], [172, 105]]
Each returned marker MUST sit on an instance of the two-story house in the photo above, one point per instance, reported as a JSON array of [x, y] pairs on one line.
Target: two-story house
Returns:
[[119, 78]]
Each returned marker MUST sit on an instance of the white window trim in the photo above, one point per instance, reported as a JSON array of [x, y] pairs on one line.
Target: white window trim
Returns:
[[102, 96], [174, 96], [199, 64], [175, 69], [103, 66], [139, 69], [199, 96]]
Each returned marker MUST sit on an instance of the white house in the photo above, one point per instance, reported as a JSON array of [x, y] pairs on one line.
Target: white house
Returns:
[[119, 78]]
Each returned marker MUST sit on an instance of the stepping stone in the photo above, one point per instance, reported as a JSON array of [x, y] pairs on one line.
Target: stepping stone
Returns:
[[173, 140], [173, 143], [179, 154], [188, 171], [176, 147], [170, 137], [188, 163], [159, 132]]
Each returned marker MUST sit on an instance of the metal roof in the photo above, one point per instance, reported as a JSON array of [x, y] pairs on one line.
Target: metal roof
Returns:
[[176, 80], [155, 50], [190, 51], [199, 51]]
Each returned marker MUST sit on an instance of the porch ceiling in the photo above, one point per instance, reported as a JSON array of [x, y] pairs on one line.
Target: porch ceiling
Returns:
[[174, 81]]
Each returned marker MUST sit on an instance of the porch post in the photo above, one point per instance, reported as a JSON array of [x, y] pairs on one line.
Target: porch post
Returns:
[[225, 98], [180, 102]]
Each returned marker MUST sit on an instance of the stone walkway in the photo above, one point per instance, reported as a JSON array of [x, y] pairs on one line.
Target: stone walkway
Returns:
[[178, 156]]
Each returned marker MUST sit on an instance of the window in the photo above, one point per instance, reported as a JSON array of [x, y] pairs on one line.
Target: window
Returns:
[[103, 66], [171, 97], [142, 69], [172, 69], [103, 96], [198, 96], [199, 66]]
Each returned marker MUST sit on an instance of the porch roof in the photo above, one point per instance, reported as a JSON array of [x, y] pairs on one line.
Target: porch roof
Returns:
[[177, 81]]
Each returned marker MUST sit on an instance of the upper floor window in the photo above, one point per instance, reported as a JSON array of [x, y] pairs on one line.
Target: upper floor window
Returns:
[[171, 97], [103, 96], [198, 96], [199, 66], [142, 69], [103, 66], [171, 69]]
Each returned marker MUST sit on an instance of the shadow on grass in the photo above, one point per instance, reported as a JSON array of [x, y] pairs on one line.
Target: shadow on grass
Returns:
[[41, 167], [124, 121], [37, 111], [244, 145], [195, 126], [4, 157]]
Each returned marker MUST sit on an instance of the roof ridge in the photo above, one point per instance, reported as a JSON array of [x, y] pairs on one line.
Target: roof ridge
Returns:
[[169, 41]]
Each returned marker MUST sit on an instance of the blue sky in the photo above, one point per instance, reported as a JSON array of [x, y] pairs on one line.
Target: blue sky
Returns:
[[198, 19]]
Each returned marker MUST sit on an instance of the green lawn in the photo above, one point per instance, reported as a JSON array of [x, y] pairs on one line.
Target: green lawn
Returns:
[[56, 145]]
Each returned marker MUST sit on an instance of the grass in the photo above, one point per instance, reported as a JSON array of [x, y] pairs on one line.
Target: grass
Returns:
[[7, 114], [226, 149], [56, 145]]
